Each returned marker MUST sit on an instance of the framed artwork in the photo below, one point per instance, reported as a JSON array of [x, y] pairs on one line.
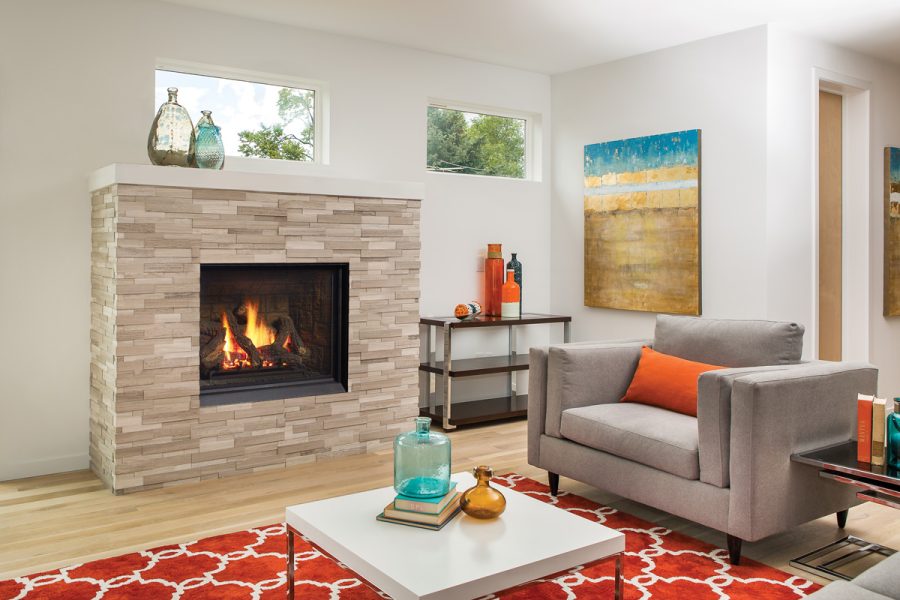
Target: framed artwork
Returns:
[[891, 232], [642, 223]]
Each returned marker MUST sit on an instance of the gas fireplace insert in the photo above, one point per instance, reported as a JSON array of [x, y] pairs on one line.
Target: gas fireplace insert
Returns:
[[270, 332]]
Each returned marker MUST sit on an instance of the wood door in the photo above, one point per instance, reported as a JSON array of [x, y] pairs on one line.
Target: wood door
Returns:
[[830, 225]]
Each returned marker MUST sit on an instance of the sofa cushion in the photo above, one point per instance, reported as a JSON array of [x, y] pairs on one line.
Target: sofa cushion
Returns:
[[655, 437], [666, 381], [883, 578], [845, 590], [732, 343]]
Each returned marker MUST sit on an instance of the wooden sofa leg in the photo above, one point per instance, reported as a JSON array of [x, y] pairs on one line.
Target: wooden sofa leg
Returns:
[[842, 517], [554, 483], [734, 549]]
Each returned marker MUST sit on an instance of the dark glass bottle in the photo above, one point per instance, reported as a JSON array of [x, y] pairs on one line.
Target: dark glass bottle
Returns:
[[516, 267]]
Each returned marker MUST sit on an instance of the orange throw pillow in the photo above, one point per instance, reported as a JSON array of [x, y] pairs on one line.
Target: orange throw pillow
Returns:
[[667, 382]]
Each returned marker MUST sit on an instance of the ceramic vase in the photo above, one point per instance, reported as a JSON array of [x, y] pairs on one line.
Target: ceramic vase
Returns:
[[493, 281], [516, 267], [511, 296]]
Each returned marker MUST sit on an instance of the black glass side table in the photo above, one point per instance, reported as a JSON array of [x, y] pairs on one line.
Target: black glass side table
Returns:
[[874, 483]]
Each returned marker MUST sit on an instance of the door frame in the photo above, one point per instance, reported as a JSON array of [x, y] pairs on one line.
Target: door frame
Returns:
[[855, 208]]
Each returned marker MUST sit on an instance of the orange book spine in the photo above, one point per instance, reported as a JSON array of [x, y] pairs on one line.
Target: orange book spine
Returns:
[[864, 428]]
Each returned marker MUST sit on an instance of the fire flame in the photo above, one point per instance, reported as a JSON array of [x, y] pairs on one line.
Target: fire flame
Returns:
[[259, 332]]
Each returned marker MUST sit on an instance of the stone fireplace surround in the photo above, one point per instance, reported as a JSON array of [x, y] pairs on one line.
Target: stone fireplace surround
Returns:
[[152, 228]]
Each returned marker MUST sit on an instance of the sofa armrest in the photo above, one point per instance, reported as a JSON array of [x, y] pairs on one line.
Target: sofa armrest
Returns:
[[779, 413], [537, 402], [587, 374], [714, 420]]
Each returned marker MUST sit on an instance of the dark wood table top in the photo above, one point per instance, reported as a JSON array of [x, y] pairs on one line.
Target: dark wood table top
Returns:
[[485, 321]]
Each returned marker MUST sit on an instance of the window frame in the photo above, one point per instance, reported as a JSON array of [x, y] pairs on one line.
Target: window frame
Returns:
[[320, 114], [532, 135]]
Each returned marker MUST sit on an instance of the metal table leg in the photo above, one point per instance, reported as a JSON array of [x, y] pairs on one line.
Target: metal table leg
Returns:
[[620, 586], [425, 356], [448, 386], [567, 332], [511, 376], [290, 562], [824, 562]]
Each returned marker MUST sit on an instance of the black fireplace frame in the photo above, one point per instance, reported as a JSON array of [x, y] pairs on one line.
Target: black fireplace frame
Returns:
[[337, 384]]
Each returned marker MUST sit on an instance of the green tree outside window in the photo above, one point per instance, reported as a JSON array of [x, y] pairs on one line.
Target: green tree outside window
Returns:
[[295, 106], [476, 144]]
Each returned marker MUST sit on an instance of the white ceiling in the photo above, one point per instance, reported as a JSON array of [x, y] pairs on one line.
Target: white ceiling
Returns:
[[554, 36]]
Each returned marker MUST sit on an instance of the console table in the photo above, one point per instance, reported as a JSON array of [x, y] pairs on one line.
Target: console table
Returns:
[[875, 483], [439, 406]]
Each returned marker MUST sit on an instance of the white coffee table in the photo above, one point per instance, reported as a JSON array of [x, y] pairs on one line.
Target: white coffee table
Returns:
[[466, 559]]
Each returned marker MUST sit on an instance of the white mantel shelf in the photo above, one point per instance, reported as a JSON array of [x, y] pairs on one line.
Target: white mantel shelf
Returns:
[[277, 183]]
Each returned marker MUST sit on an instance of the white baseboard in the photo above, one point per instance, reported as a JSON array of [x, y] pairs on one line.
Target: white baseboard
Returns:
[[60, 464]]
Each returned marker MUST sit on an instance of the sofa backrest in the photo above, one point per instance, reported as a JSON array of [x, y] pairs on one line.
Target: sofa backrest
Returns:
[[729, 342]]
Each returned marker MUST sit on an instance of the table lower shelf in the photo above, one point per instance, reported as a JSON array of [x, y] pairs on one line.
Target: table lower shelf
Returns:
[[469, 412]]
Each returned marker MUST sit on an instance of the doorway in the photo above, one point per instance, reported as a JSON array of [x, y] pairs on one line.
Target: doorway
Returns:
[[841, 226], [830, 224]]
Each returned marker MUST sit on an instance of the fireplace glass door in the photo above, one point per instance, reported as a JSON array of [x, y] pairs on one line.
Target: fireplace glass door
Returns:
[[272, 331]]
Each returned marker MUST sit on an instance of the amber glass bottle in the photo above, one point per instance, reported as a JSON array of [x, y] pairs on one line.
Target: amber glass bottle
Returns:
[[511, 293], [482, 501], [493, 280]]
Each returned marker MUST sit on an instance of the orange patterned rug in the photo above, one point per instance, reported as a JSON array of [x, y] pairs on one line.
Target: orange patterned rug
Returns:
[[249, 565]]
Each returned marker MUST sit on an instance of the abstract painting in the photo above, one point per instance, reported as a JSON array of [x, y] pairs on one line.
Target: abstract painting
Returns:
[[891, 232], [642, 223]]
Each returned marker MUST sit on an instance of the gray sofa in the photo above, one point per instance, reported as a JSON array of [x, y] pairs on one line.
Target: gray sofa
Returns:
[[729, 468], [881, 582]]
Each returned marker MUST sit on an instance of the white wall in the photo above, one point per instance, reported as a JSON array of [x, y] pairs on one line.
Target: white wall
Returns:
[[791, 191], [717, 85], [76, 93], [753, 94]]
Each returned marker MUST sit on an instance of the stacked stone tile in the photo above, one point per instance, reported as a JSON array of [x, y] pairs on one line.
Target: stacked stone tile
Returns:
[[147, 427]]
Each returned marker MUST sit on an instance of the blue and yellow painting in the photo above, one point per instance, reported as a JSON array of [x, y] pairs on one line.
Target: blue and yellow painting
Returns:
[[892, 232], [642, 223]]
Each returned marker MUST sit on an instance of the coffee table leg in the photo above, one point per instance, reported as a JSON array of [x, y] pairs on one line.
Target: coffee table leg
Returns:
[[620, 592], [290, 563]]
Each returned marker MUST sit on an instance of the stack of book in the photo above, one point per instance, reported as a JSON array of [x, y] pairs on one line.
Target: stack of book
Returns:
[[427, 513], [870, 415]]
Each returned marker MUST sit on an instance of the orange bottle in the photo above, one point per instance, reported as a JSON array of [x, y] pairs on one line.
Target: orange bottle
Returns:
[[493, 280], [511, 295]]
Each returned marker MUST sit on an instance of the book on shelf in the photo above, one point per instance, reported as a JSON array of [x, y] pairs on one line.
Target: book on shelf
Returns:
[[864, 428], [878, 422], [428, 506]]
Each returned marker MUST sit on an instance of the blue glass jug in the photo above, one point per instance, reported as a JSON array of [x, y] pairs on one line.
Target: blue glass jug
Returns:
[[209, 148], [422, 462]]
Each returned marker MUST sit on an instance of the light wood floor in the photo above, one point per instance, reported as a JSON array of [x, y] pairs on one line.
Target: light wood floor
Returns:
[[47, 522]]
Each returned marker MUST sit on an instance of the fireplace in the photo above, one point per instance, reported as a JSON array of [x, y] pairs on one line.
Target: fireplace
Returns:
[[270, 332]]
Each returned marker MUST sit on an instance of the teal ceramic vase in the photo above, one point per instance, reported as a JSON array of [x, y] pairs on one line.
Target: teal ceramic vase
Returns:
[[209, 151], [422, 462]]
